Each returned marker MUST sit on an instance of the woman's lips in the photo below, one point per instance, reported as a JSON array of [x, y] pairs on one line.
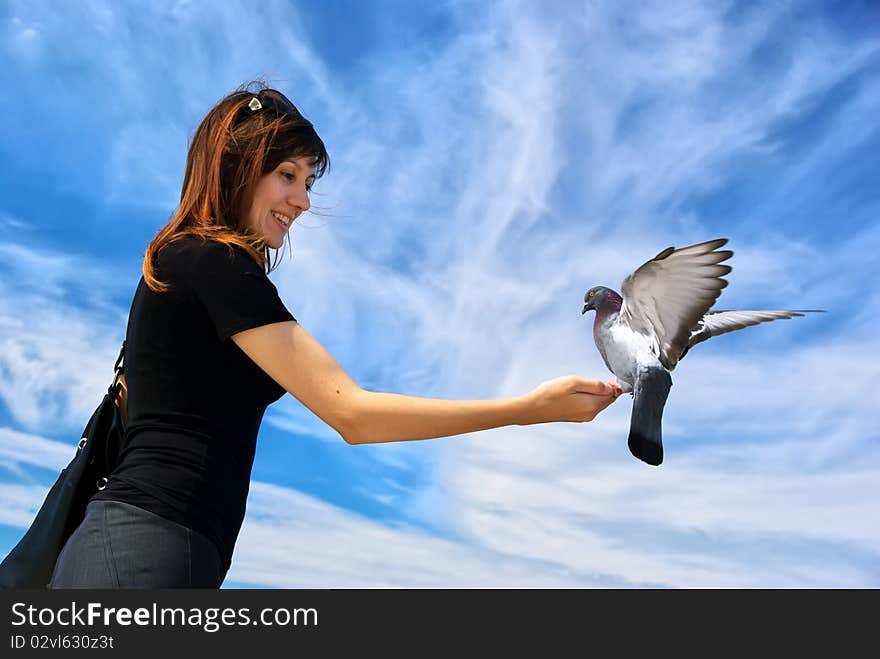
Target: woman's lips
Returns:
[[275, 215]]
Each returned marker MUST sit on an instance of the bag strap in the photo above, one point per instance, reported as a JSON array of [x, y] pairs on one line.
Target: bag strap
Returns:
[[119, 368], [119, 360]]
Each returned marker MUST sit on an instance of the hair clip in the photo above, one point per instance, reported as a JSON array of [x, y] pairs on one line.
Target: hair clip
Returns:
[[255, 104]]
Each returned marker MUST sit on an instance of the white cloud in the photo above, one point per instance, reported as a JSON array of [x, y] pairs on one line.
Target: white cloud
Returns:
[[56, 353], [290, 540], [10, 224], [293, 540], [476, 194], [19, 447]]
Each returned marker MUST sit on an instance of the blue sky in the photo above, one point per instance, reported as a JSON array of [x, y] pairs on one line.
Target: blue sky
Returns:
[[491, 162]]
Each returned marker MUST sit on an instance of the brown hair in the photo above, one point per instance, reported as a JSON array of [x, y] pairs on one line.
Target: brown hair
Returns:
[[234, 146]]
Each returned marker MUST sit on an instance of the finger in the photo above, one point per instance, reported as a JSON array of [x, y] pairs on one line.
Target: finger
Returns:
[[594, 387], [606, 400]]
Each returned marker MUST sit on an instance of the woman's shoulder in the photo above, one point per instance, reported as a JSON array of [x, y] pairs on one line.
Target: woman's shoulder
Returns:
[[190, 246], [187, 251], [187, 242]]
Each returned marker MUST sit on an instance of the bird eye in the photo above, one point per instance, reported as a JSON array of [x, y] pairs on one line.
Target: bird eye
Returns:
[[592, 293]]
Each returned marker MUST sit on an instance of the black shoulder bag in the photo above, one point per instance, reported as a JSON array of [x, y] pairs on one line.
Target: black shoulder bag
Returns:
[[32, 560]]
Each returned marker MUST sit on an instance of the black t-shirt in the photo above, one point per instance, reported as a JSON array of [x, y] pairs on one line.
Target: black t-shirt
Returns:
[[195, 400]]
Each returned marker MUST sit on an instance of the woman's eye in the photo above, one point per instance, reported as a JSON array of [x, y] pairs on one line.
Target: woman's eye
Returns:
[[291, 177]]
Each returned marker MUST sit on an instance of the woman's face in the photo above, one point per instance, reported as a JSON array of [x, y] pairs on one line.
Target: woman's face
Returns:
[[282, 193]]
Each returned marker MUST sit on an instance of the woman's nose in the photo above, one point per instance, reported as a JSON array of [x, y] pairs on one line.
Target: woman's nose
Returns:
[[299, 200]]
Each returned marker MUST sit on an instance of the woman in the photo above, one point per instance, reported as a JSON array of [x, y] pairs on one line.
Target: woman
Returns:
[[209, 345]]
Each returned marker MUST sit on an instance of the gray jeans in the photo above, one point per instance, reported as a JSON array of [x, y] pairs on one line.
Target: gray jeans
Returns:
[[118, 545]]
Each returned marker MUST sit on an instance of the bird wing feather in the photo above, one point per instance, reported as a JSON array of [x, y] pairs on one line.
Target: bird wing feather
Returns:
[[722, 322], [671, 293]]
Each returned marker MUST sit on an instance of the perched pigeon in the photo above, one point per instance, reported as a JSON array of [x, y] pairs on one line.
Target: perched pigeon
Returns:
[[663, 312]]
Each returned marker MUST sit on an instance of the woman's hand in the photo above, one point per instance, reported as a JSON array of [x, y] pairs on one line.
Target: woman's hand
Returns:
[[569, 398], [122, 398]]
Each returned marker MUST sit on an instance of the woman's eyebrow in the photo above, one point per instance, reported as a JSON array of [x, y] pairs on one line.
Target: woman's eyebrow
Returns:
[[296, 164]]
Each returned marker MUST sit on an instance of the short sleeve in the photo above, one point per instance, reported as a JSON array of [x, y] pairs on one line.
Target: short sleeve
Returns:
[[233, 289]]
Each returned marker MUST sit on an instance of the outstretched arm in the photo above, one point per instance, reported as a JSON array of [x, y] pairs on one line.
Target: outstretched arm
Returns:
[[300, 364]]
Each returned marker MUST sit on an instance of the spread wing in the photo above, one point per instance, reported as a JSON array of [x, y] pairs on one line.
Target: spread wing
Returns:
[[672, 292], [722, 322]]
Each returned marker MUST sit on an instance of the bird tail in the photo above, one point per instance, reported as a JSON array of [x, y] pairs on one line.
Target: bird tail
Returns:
[[645, 429]]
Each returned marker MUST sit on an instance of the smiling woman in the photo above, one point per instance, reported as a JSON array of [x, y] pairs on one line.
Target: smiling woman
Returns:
[[280, 198], [253, 157], [209, 345]]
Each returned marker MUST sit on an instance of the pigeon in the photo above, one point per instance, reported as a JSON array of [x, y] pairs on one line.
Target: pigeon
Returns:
[[662, 314]]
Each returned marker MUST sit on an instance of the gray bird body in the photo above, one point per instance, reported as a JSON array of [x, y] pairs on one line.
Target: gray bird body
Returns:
[[663, 313], [623, 350]]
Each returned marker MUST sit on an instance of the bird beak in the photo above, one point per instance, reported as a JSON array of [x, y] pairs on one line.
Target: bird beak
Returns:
[[586, 308]]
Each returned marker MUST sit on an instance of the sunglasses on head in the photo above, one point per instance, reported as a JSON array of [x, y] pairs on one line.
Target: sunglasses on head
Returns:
[[271, 99]]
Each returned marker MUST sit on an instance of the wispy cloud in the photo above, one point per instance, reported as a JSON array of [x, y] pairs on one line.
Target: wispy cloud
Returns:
[[479, 188], [59, 335], [296, 541]]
